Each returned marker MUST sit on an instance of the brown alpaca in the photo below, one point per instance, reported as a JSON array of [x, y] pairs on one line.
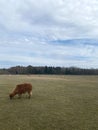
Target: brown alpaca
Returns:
[[20, 89]]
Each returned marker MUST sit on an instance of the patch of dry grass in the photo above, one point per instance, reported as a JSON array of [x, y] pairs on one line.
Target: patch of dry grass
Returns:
[[57, 103]]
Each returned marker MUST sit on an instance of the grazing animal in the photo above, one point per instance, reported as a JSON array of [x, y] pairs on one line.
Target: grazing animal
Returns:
[[20, 89]]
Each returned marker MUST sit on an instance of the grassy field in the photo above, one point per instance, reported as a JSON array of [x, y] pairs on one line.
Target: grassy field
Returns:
[[57, 103]]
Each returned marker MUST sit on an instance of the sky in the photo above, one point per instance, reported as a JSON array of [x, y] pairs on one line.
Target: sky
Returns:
[[49, 33]]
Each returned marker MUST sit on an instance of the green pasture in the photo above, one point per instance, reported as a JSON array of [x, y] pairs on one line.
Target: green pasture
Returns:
[[57, 103]]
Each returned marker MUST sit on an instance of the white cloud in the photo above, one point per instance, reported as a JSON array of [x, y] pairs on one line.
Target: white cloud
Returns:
[[42, 53], [61, 18], [27, 28]]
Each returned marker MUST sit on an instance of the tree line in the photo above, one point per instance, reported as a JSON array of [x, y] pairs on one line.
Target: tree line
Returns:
[[48, 70]]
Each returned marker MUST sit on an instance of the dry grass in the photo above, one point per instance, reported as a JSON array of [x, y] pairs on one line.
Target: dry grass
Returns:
[[57, 103]]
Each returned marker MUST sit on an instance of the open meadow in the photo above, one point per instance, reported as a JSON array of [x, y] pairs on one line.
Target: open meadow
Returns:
[[57, 103]]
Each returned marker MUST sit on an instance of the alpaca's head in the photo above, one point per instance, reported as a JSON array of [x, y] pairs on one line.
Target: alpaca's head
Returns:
[[11, 95]]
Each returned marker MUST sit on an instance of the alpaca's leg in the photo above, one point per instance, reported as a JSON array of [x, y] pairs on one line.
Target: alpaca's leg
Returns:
[[30, 94], [19, 95]]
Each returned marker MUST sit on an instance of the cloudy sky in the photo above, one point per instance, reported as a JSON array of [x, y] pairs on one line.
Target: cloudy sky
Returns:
[[49, 32]]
